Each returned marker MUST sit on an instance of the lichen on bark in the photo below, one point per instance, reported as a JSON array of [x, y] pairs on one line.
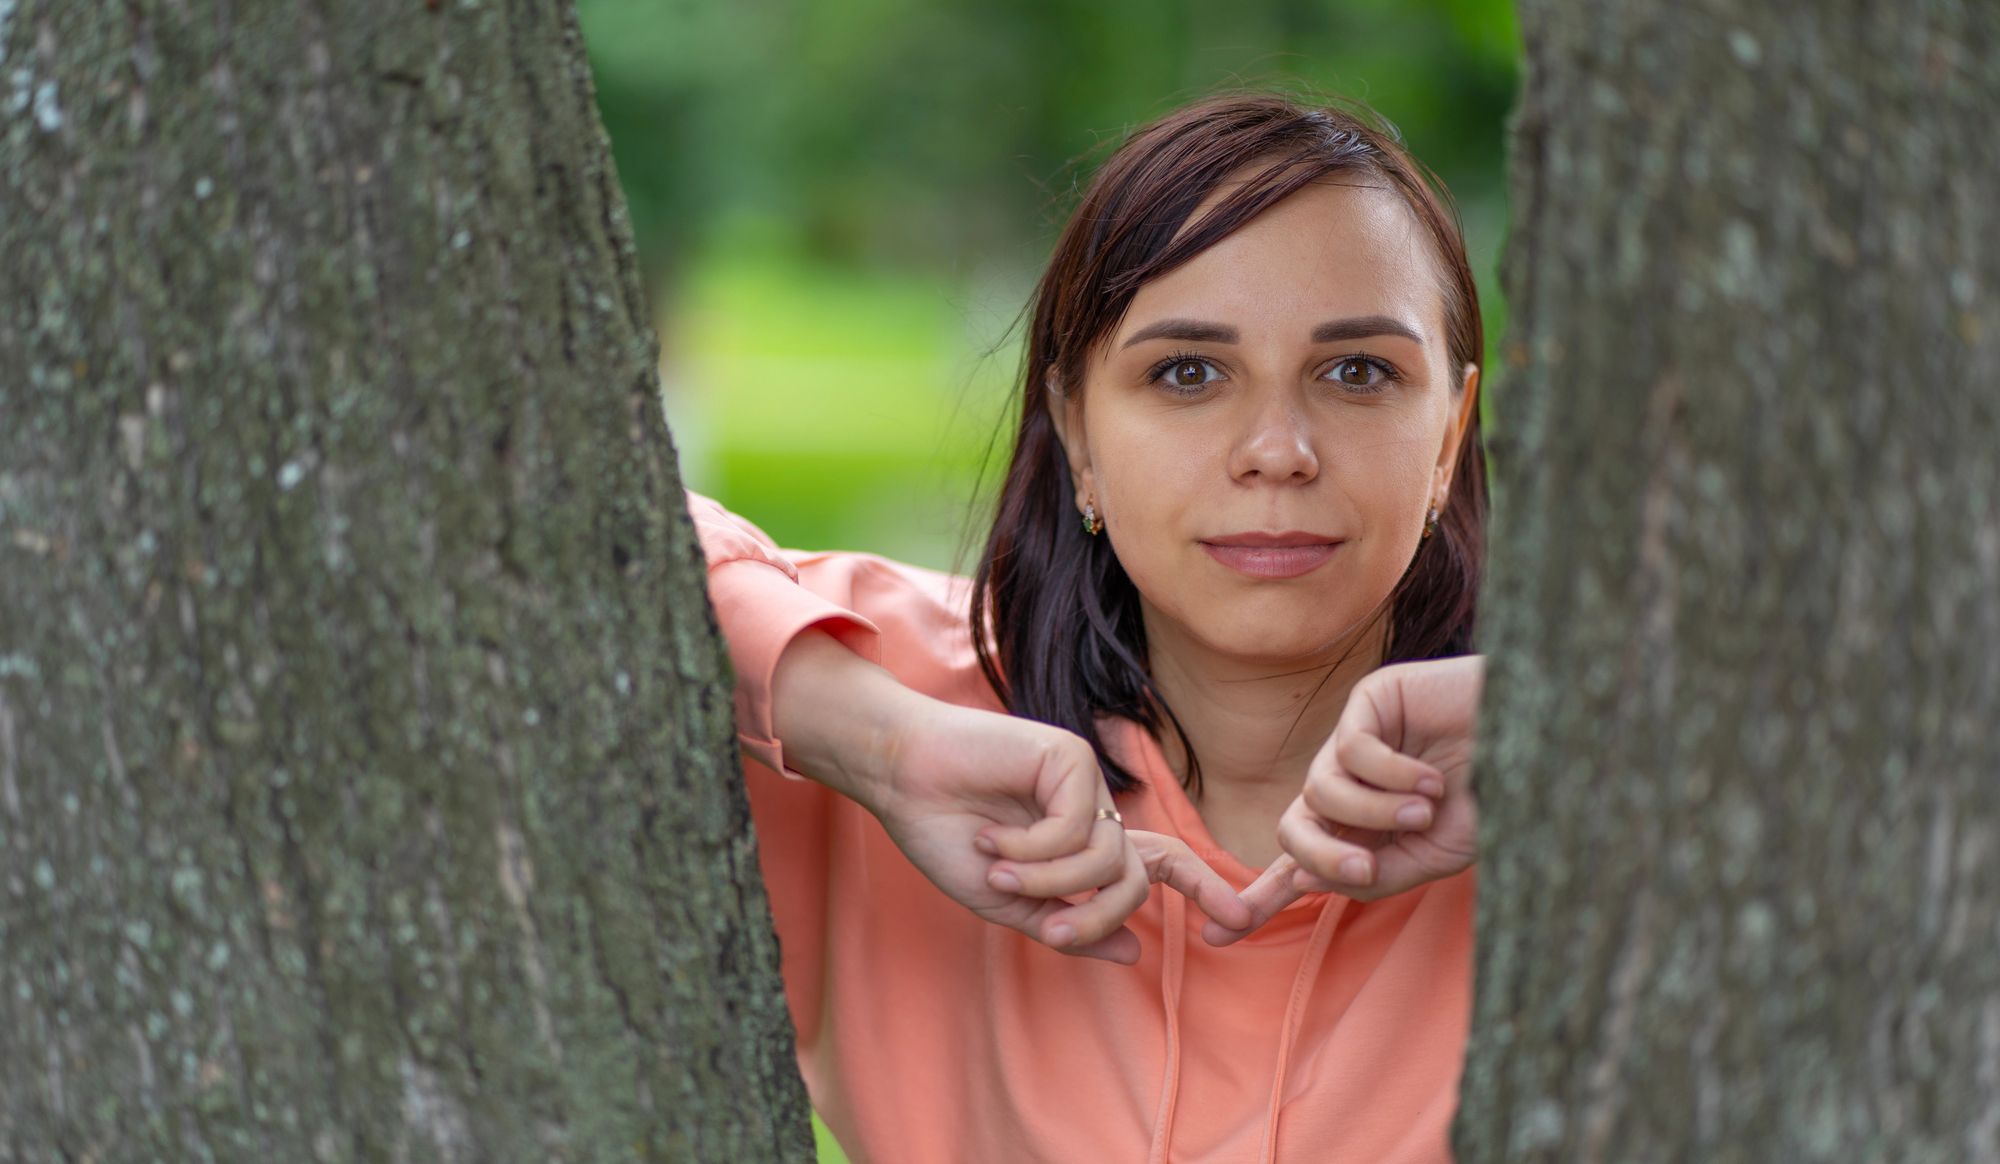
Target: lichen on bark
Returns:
[[367, 779], [1741, 878]]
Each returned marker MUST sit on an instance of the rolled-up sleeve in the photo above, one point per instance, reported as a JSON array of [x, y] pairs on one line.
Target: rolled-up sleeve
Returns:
[[762, 607]]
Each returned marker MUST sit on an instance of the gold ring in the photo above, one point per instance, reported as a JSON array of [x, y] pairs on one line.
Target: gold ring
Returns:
[[1110, 814]]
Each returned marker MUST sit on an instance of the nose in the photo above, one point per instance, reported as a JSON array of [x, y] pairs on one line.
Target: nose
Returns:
[[1275, 445]]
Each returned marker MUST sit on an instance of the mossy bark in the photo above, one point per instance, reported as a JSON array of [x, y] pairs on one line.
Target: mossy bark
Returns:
[[367, 779], [1742, 773]]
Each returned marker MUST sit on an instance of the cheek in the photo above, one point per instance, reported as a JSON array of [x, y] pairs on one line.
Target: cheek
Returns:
[[1390, 485], [1381, 482], [1150, 479]]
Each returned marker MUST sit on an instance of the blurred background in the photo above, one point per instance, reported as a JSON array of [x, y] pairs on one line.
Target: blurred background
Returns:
[[842, 206]]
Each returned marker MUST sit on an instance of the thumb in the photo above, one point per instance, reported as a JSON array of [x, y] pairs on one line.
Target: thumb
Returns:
[[1067, 790]]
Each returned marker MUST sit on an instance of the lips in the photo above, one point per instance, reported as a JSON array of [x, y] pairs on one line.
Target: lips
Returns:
[[1266, 555]]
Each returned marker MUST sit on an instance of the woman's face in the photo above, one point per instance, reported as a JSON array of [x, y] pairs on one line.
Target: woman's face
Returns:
[[1267, 429]]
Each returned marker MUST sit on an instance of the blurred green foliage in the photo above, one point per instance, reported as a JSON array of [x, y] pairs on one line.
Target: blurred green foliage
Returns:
[[932, 132], [837, 406], [841, 205], [829, 1148]]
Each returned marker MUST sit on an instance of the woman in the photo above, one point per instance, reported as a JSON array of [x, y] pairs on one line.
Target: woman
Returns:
[[1247, 475]]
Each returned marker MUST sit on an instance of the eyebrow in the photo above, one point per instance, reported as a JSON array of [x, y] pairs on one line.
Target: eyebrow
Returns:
[[1333, 331], [1363, 327], [1192, 331]]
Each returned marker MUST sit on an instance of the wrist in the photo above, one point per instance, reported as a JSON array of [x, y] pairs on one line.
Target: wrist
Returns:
[[842, 720]]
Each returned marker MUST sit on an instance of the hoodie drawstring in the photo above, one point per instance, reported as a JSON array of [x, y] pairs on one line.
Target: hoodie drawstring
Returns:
[[1174, 958], [1295, 1014]]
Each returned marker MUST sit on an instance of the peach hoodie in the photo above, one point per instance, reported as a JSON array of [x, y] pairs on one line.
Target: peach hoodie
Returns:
[[927, 1036]]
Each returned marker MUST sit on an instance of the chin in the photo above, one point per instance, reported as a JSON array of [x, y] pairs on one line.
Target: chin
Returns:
[[1301, 637]]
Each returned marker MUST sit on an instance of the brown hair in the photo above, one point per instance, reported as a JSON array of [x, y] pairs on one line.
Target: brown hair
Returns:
[[1060, 634]]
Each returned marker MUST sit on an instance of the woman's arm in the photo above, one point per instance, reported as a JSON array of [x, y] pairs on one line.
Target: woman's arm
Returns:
[[1000, 813]]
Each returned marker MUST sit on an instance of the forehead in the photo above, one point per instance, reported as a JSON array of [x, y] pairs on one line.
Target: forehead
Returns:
[[1342, 247]]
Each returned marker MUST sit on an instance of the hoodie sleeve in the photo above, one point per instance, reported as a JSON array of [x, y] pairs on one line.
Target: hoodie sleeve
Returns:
[[762, 607]]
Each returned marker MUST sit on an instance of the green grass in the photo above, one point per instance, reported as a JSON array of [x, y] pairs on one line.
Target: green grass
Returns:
[[837, 409], [829, 1151]]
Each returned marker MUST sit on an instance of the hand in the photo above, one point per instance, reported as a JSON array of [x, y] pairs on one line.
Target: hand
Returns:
[[1160, 858], [998, 812], [1388, 802]]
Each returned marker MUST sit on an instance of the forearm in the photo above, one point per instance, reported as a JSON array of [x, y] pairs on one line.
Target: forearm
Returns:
[[1004, 815], [841, 718]]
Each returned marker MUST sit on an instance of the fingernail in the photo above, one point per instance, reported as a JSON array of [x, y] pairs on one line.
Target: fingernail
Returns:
[[986, 846], [1004, 881], [1414, 815], [1430, 787], [1061, 934], [1354, 871]]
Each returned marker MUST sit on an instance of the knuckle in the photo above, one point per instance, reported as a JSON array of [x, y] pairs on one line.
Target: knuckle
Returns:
[[1370, 814], [1318, 796], [1034, 882]]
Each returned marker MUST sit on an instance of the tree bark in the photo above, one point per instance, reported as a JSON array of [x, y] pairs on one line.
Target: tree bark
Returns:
[[1742, 872], [367, 779]]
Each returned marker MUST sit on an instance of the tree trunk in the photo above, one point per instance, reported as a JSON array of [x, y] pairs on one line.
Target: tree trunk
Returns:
[[1742, 874], [367, 779]]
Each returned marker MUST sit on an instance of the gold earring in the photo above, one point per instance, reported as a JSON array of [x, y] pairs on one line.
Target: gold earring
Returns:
[[1092, 524], [1431, 522]]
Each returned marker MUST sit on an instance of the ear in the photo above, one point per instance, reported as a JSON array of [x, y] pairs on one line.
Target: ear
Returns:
[[1461, 423], [1066, 413]]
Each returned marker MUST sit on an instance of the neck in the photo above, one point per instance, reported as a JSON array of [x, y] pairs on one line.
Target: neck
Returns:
[[1254, 724]]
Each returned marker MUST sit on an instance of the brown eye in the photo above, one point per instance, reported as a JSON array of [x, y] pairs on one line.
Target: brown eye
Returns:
[[1184, 374], [1355, 372]]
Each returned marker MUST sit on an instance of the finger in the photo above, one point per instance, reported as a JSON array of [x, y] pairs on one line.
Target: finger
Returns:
[[1271, 892], [1169, 861], [1339, 798], [1334, 859], [1097, 865], [1121, 947], [1110, 948], [1089, 922], [1396, 869], [1069, 789], [1368, 758], [1416, 858]]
